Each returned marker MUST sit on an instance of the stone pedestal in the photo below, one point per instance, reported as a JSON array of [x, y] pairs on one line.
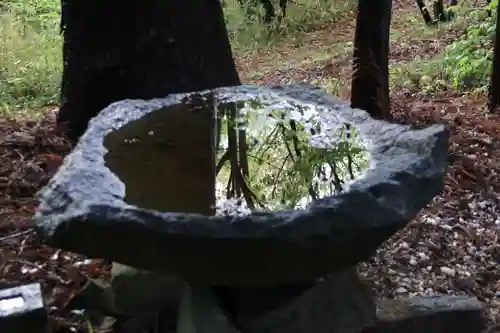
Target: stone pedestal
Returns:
[[340, 303]]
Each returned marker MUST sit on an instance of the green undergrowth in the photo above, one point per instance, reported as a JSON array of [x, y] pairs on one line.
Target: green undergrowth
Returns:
[[464, 65], [29, 55], [30, 43], [248, 32]]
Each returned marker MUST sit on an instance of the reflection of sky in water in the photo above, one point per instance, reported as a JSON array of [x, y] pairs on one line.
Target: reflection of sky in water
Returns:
[[259, 119]]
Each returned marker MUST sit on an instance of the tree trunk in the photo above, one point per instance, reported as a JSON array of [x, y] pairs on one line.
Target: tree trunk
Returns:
[[425, 13], [139, 49], [494, 93], [251, 6], [370, 82], [440, 14]]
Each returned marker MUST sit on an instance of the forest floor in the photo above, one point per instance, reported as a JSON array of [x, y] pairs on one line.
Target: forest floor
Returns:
[[452, 247]]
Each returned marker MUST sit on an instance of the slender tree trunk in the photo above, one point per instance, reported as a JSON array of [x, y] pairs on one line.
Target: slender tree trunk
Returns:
[[283, 5], [252, 8], [425, 13], [370, 82], [114, 50], [438, 9], [270, 13], [494, 91]]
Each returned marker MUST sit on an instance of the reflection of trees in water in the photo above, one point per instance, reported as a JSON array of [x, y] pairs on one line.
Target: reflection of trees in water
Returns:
[[270, 160], [236, 155]]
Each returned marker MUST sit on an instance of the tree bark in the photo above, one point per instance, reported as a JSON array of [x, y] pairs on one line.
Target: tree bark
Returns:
[[425, 13], [494, 89], [370, 82], [114, 50], [252, 9], [440, 13]]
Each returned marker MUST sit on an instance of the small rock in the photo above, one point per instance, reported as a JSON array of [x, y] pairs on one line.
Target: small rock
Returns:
[[448, 271], [423, 256], [401, 290], [430, 314], [429, 291], [465, 283]]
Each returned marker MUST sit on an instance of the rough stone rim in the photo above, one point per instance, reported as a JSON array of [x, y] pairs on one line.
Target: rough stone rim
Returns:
[[386, 211]]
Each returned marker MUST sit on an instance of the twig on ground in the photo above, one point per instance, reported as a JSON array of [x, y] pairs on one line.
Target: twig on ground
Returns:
[[17, 234], [49, 272]]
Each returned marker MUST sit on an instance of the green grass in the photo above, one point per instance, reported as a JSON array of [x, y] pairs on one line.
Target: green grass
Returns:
[[302, 15], [30, 56], [30, 62]]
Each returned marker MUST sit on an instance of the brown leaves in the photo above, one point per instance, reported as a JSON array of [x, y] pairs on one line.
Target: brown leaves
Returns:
[[460, 229], [30, 153]]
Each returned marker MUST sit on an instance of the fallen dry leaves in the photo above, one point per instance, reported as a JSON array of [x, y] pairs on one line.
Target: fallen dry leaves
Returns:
[[30, 153], [452, 247]]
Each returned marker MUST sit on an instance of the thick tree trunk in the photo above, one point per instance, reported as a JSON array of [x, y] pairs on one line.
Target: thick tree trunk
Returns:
[[494, 93], [115, 50], [370, 82]]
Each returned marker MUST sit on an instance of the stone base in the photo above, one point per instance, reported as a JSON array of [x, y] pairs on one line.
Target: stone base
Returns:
[[438, 314], [339, 304], [137, 291]]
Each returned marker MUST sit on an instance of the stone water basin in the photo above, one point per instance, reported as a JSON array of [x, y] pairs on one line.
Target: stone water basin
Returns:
[[321, 187]]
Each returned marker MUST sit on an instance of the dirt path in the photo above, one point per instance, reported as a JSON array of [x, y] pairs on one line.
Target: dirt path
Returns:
[[301, 51], [327, 52]]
